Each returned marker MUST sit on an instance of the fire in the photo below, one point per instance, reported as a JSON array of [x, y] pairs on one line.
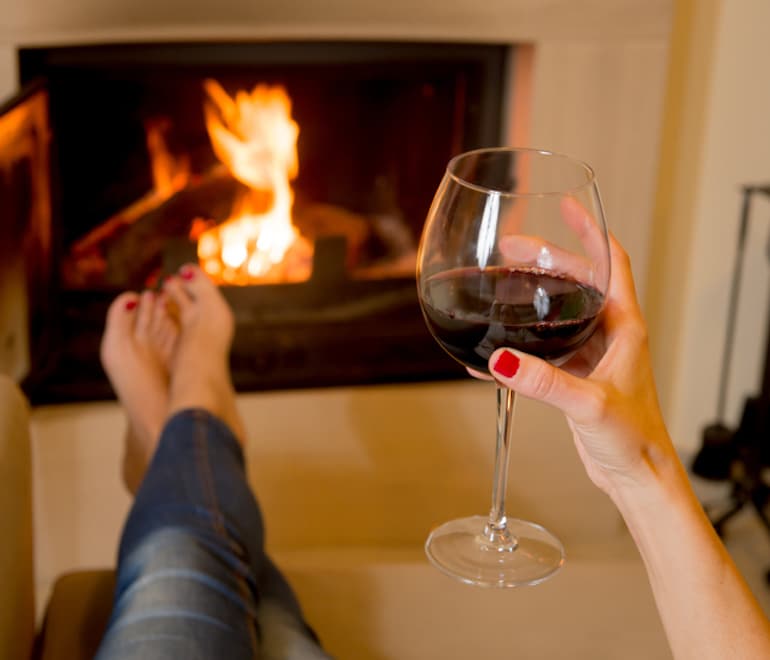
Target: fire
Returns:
[[255, 137], [169, 174]]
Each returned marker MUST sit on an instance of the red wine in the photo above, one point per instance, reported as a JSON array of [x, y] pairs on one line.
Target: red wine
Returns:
[[471, 312]]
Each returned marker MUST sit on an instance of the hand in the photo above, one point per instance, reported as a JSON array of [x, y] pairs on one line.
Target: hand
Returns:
[[606, 390], [590, 267]]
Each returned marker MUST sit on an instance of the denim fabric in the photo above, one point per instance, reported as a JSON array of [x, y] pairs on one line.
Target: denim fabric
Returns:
[[193, 578]]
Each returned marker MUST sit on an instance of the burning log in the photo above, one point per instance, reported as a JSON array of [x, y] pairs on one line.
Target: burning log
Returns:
[[125, 250], [135, 253]]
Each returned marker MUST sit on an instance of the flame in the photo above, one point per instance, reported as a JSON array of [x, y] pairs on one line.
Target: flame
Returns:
[[169, 174], [255, 137]]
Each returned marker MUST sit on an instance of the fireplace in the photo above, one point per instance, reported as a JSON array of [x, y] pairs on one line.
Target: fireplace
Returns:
[[124, 178]]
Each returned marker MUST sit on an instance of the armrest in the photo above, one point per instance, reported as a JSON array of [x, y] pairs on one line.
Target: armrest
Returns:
[[17, 606]]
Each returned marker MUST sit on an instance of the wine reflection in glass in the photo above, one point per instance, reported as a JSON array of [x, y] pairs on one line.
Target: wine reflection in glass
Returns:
[[514, 253]]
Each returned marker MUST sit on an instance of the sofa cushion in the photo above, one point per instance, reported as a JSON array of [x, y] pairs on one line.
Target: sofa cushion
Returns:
[[17, 622], [375, 604], [76, 616]]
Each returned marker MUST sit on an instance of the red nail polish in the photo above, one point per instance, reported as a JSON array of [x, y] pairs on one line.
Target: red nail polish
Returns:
[[187, 273], [131, 304], [507, 364]]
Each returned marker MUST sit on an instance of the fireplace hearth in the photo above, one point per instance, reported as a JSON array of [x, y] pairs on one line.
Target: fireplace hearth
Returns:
[[376, 124]]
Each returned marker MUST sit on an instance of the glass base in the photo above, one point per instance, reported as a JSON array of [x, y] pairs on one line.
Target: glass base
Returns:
[[466, 550]]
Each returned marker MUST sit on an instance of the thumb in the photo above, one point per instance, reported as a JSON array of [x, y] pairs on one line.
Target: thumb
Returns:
[[537, 379]]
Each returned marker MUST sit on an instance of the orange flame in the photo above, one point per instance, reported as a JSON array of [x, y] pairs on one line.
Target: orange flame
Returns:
[[169, 174], [254, 135]]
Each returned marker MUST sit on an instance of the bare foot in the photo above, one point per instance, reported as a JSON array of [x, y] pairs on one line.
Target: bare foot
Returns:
[[136, 351], [200, 377]]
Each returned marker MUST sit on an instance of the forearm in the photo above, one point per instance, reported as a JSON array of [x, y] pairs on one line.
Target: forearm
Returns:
[[706, 607]]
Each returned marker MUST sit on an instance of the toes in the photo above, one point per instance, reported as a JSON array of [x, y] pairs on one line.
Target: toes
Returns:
[[161, 315], [145, 314], [164, 328], [189, 286], [121, 318], [178, 295], [121, 314], [197, 283]]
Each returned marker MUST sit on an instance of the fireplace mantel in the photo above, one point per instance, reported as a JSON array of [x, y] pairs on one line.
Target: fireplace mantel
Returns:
[[494, 20]]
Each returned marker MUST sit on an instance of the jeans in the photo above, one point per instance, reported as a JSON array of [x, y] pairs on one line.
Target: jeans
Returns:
[[193, 579]]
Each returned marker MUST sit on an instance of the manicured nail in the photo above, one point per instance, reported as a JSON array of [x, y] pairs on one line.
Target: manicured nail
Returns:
[[187, 273], [507, 364], [130, 304]]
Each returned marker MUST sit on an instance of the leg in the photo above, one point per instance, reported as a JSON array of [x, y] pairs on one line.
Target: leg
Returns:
[[137, 349], [193, 578]]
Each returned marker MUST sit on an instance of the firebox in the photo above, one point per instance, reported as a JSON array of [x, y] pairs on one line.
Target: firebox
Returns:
[[297, 175]]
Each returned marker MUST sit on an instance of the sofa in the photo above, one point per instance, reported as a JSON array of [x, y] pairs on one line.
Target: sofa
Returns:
[[348, 533]]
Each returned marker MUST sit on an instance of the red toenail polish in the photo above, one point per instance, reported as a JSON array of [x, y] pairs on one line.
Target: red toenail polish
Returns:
[[507, 364], [187, 273], [131, 304]]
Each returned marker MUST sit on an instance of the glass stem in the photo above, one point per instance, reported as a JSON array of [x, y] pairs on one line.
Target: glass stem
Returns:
[[496, 530]]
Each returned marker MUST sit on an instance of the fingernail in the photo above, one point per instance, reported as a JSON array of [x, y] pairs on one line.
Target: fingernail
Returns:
[[131, 304], [187, 273], [507, 364]]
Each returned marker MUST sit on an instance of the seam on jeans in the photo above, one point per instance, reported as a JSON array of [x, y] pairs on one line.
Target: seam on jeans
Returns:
[[204, 471]]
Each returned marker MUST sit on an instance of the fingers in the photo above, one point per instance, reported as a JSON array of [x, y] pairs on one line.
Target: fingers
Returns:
[[578, 387], [589, 232], [478, 374], [533, 251], [622, 310], [536, 379], [622, 288], [590, 265]]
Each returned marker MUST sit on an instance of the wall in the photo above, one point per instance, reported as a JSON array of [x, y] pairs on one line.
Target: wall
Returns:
[[494, 20], [716, 140]]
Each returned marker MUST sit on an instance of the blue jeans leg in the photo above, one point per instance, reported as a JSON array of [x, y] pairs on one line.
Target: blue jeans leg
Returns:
[[193, 579]]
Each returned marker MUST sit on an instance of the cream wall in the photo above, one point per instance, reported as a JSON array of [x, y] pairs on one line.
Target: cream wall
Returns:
[[717, 139], [494, 20], [8, 78]]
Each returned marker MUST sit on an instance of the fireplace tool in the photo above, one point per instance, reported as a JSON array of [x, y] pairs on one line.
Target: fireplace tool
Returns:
[[740, 455]]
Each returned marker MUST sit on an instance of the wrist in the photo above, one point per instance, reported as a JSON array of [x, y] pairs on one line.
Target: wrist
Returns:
[[658, 479]]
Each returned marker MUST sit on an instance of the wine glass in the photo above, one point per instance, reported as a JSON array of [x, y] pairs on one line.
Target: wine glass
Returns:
[[514, 253]]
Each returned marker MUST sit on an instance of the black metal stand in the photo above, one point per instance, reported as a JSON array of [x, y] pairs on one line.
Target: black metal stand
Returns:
[[740, 455]]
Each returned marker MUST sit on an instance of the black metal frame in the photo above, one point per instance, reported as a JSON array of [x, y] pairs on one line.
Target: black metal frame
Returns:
[[391, 344], [740, 455]]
